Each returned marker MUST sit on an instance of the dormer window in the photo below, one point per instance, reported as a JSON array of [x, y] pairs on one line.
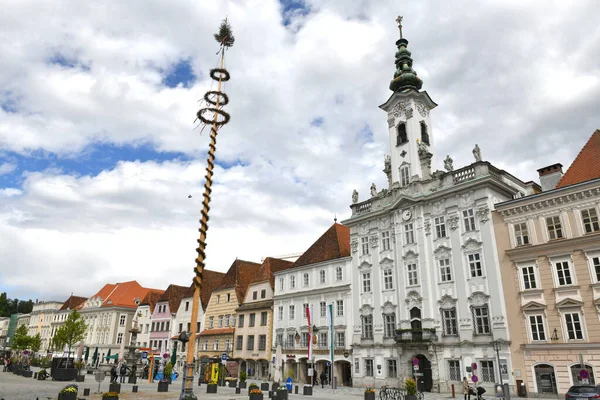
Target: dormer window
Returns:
[[424, 134], [401, 137]]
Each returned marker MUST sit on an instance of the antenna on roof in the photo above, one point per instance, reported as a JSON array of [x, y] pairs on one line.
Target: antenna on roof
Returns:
[[334, 218]]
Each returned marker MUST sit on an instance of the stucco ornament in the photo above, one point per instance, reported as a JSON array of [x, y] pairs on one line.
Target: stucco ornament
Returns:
[[453, 222], [354, 246], [354, 197], [422, 109], [448, 164], [483, 214]]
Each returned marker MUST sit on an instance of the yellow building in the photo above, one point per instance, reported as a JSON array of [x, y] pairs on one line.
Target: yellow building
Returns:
[[549, 251]]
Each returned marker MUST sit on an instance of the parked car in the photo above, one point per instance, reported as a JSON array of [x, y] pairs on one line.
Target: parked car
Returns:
[[583, 392]]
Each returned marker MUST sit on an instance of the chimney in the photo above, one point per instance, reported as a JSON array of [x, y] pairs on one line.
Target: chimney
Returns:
[[550, 176]]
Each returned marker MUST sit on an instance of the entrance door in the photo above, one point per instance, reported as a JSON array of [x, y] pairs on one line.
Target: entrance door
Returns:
[[423, 376], [545, 378]]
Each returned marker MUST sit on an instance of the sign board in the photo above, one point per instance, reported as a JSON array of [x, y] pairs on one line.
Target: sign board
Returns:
[[99, 375], [584, 374], [415, 361], [289, 384], [144, 355], [419, 374], [416, 367], [224, 356], [310, 372], [474, 378], [474, 366]]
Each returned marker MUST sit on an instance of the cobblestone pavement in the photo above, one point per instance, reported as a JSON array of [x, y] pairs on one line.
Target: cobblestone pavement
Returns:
[[14, 387]]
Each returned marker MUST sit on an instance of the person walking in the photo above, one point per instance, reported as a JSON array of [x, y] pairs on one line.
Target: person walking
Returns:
[[466, 388], [322, 377], [113, 374]]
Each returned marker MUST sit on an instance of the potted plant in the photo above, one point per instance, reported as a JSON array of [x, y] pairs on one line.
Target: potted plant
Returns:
[[264, 386], [168, 372], [369, 393], [256, 394], [211, 387], [79, 364], [282, 393], [69, 392], [251, 387], [411, 389], [110, 396], [243, 377], [42, 375], [163, 384], [232, 383]]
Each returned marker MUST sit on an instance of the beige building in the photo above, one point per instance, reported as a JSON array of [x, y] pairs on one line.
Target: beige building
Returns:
[[254, 329], [549, 250], [40, 321]]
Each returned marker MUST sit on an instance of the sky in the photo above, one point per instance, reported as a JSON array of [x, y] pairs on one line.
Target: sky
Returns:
[[100, 150]]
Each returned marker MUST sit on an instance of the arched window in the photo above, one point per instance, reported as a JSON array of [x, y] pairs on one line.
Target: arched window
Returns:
[[424, 134], [401, 137], [322, 276]]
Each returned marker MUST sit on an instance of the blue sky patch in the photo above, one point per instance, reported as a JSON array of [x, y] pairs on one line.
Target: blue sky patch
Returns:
[[67, 62], [180, 73], [318, 121], [291, 8]]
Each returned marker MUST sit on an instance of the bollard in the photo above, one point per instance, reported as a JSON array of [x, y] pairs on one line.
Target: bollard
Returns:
[[86, 391], [238, 390], [506, 388], [134, 389], [453, 394], [296, 390]]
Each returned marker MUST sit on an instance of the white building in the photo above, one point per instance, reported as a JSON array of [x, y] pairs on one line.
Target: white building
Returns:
[[41, 319], [320, 277], [144, 315], [426, 279]]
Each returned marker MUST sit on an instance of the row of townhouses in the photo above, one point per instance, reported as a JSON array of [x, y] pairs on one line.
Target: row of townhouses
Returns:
[[443, 274]]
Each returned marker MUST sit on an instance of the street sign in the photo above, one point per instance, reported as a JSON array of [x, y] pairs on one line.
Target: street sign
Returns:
[[144, 355], [584, 374], [474, 366], [419, 374], [416, 367], [474, 378], [415, 361], [224, 357], [289, 384]]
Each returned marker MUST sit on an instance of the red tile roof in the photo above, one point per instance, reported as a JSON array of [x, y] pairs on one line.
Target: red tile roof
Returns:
[[586, 165], [239, 276], [222, 331], [126, 294], [269, 266], [334, 243], [151, 298], [173, 296], [73, 303], [210, 281]]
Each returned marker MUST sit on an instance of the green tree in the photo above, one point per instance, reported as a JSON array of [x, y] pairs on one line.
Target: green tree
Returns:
[[21, 340], [35, 343], [72, 331]]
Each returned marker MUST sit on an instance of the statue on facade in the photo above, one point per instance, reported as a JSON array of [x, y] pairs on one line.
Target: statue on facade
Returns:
[[387, 161], [354, 197], [422, 148], [477, 153], [373, 190], [448, 164]]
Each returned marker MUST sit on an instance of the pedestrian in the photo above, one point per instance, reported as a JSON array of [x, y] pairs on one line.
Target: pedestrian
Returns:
[[466, 389], [123, 372], [322, 377], [113, 374]]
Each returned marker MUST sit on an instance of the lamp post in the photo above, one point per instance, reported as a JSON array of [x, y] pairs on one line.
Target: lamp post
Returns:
[[497, 344]]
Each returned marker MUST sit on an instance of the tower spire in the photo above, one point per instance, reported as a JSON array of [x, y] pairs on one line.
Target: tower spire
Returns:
[[404, 77]]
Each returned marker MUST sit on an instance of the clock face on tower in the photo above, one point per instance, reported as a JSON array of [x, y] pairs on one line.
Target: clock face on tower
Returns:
[[406, 215]]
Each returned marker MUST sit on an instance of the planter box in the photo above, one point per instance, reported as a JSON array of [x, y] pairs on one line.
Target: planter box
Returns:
[[264, 387], [67, 396], [232, 383], [80, 378], [250, 388], [282, 395], [111, 398], [64, 374], [27, 374], [211, 388], [163, 386], [410, 397], [41, 378], [369, 395], [307, 390], [243, 385], [114, 387], [274, 386], [238, 390], [132, 380], [256, 396]]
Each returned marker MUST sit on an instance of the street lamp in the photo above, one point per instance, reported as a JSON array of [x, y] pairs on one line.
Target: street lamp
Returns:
[[497, 345], [184, 337]]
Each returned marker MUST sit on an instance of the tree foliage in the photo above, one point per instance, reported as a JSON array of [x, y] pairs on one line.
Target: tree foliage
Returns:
[[13, 306], [225, 35], [21, 340], [35, 342], [71, 332]]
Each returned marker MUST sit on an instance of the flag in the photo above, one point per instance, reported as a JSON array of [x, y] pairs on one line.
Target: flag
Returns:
[[310, 332], [331, 332]]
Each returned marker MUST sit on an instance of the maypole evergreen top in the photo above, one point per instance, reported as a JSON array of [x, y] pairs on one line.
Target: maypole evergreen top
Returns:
[[404, 77], [225, 35]]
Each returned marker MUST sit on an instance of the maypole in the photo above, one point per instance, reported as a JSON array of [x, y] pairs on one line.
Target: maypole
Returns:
[[215, 116]]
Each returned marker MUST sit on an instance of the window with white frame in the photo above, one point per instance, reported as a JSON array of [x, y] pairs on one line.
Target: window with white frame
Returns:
[[220, 321], [409, 234], [227, 318], [356, 366], [388, 279], [536, 324], [528, 274], [392, 368], [323, 308], [521, 234], [440, 227], [292, 282], [368, 367], [590, 220], [573, 324], [322, 339], [290, 340], [339, 304], [563, 273], [304, 339], [322, 276], [469, 220], [450, 321], [445, 270], [366, 282], [281, 280], [385, 240], [412, 274], [339, 273], [404, 175], [227, 344], [481, 320], [454, 370], [365, 245], [119, 338], [211, 322], [205, 345], [554, 227], [216, 344], [292, 312], [475, 265], [487, 371], [389, 325], [306, 279], [250, 342], [595, 265], [367, 327], [281, 313], [340, 339], [305, 309], [122, 320]]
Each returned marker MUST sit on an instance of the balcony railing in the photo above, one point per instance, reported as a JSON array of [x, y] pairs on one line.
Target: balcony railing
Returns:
[[415, 335]]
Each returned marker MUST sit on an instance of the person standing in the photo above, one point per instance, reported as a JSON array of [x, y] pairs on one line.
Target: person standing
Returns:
[[322, 377], [113, 374], [466, 388], [123, 372]]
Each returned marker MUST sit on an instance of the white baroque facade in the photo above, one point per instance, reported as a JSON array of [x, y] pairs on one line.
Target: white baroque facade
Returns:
[[426, 280]]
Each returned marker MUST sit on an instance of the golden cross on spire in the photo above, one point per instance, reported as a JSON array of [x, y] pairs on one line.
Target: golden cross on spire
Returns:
[[399, 21]]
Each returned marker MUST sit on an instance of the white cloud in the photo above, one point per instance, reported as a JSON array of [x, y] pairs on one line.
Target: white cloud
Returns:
[[7, 168], [518, 78]]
